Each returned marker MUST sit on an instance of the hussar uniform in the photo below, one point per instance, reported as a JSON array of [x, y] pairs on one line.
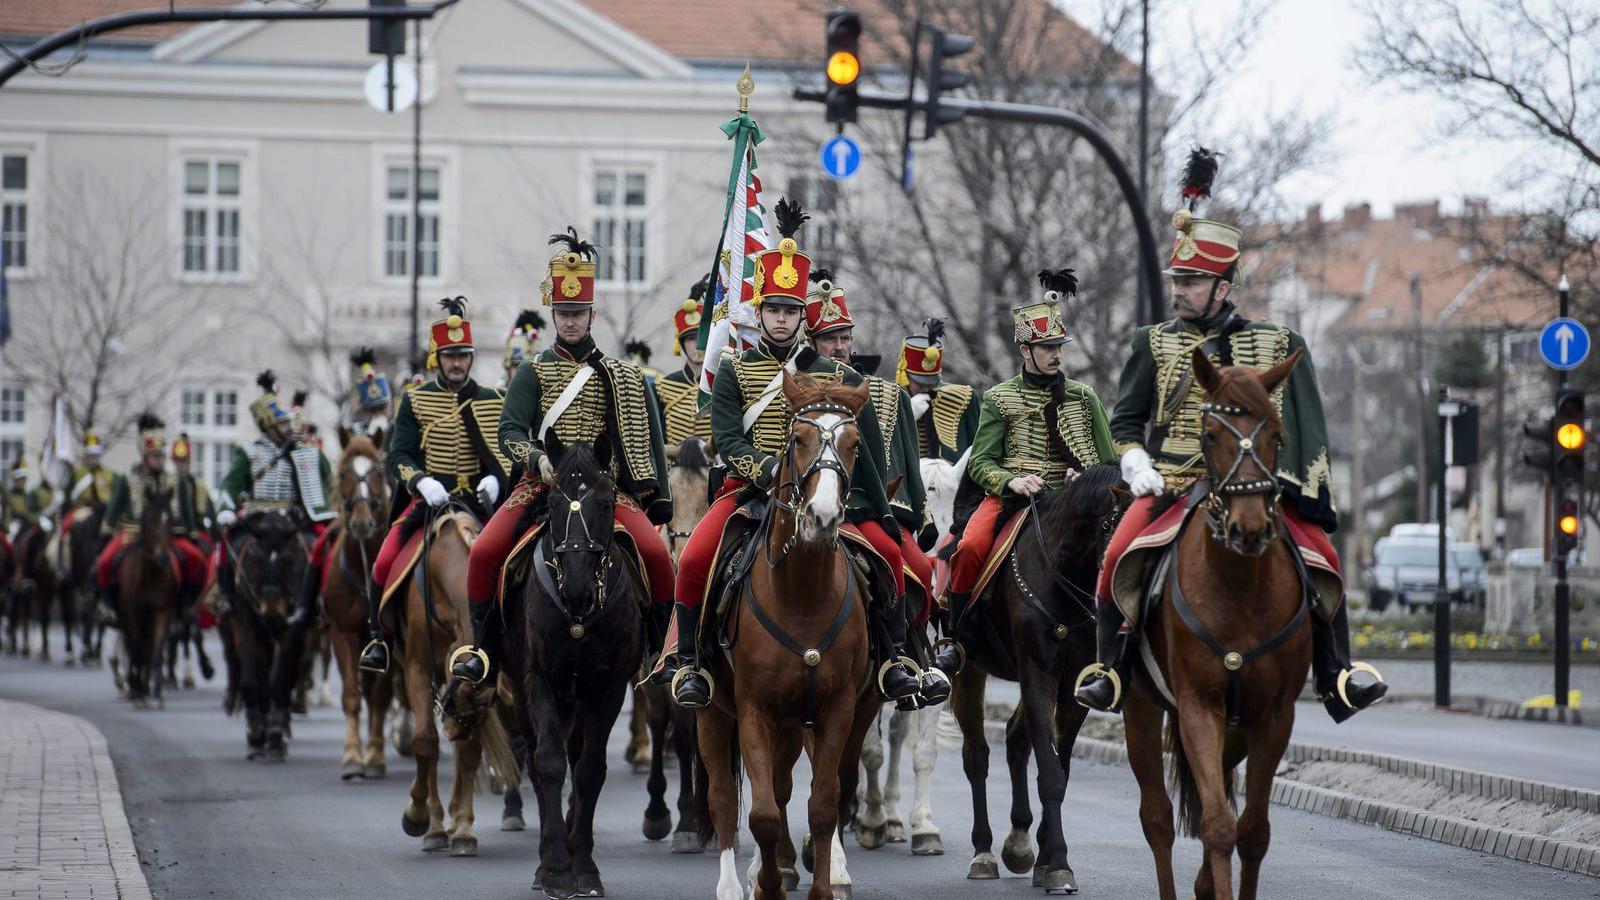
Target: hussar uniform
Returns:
[[90, 488], [371, 399], [521, 344], [193, 511], [1049, 426], [130, 494], [678, 391], [1158, 423], [946, 416]]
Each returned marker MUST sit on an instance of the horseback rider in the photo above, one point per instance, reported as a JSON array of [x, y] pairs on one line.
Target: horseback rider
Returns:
[[750, 426], [831, 331], [442, 448], [274, 473], [948, 431], [521, 344], [25, 507], [370, 396], [129, 493], [195, 513], [577, 393], [1035, 432], [678, 391], [91, 482], [1157, 425]]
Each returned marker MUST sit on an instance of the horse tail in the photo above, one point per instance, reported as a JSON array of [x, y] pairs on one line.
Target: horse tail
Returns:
[[497, 748], [702, 790], [1183, 783]]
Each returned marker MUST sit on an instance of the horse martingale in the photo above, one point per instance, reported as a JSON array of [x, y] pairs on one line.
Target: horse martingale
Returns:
[[1226, 486]]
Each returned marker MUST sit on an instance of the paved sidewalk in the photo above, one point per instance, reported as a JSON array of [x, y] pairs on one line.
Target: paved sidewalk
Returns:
[[63, 832]]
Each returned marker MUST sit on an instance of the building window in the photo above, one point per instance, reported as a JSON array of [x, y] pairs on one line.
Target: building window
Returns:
[[13, 425], [13, 406], [397, 222], [14, 210], [820, 198], [211, 216], [621, 204], [210, 417]]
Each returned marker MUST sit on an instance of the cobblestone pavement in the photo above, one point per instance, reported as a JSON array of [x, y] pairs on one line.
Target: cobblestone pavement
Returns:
[[63, 833]]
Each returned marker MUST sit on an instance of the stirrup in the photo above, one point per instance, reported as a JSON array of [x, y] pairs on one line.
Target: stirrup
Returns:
[[369, 644], [686, 671], [1344, 680], [911, 666], [469, 650], [961, 652], [1099, 668]]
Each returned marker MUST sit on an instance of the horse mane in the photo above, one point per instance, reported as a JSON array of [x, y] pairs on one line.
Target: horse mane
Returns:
[[692, 455], [1075, 509], [580, 459]]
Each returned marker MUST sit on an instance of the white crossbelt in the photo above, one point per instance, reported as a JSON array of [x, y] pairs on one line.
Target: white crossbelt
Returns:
[[768, 395], [565, 398]]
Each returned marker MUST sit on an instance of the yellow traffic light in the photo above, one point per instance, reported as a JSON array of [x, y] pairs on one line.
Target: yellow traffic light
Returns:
[[843, 67], [1570, 436], [1569, 524]]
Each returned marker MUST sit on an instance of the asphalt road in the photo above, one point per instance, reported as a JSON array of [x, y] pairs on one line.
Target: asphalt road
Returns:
[[208, 823]]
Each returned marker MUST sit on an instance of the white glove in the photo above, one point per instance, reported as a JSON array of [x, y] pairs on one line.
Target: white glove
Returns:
[[44, 525], [547, 470], [433, 492], [226, 518], [490, 487], [1140, 474], [920, 404]]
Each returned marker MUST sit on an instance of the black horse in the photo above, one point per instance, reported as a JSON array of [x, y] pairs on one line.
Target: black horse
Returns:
[[1038, 630], [268, 556], [81, 545], [581, 622]]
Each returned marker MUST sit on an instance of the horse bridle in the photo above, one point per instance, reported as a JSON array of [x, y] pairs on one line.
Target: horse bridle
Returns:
[[1220, 488], [827, 459], [573, 543]]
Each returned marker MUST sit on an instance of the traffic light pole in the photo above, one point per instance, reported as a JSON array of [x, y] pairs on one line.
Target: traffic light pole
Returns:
[[1562, 595], [1441, 594], [1044, 115]]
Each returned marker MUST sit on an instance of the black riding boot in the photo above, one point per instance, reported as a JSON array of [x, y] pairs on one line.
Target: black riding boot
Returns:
[[108, 605], [472, 664], [1330, 665], [691, 689], [310, 587], [1101, 685], [660, 622], [896, 680], [952, 654], [375, 655]]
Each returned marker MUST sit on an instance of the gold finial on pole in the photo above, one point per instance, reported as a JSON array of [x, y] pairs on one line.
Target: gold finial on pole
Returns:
[[745, 86]]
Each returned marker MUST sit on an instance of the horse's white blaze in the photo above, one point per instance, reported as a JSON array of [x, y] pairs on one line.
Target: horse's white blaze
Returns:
[[361, 465], [826, 506], [728, 884]]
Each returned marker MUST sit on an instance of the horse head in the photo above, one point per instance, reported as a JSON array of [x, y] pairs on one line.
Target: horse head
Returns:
[[155, 523], [363, 489], [272, 563], [1241, 437], [813, 475], [940, 481], [578, 535]]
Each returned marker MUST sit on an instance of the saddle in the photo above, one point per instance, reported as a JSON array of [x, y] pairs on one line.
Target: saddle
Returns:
[[410, 553], [122, 554], [523, 556]]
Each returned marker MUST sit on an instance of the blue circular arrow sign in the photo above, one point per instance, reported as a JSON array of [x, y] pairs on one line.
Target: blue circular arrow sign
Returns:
[[840, 156], [1564, 344]]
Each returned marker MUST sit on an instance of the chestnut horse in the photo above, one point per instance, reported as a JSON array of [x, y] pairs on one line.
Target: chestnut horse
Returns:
[[147, 591], [1232, 584], [801, 592], [363, 520]]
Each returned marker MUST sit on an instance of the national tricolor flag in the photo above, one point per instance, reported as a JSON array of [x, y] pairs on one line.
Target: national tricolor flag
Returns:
[[744, 234]]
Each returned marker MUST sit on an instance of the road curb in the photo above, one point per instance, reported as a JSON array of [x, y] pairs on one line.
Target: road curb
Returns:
[[131, 883], [1521, 846]]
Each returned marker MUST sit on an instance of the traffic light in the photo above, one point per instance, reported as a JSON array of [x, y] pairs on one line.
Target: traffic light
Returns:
[[843, 66], [386, 37], [1540, 454], [941, 79], [1570, 440]]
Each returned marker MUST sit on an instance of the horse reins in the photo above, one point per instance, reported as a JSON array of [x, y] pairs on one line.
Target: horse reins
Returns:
[[827, 459], [1226, 486], [1078, 595]]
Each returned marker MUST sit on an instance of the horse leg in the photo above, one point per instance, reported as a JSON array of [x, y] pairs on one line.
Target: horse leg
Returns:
[[925, 837], [790, 745], [966, 702], [252, 690], [344, 653], [686, 839], [44, 625], [378, 694], [639, 737], [1202, 732], [1040, 690], [758, 747], [1017, 852], [867, 709], [589, 779], [657, 817], [714, 732], [830, 740], [207, 670], [1141, 720], [1267, 740], [469, 757], [870, 821], [894, 830], [548, 768], [158, 647], [1069, 720]]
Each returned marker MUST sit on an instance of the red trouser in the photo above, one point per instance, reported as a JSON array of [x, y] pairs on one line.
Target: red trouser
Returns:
[[1139, 516], [494, 544], [976, 542], [921, 568], [694, 563], [190, 561], [391, 548]]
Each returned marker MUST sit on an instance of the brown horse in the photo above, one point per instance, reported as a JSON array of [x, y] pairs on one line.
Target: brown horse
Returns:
[[803, 585], [363, 519], [1236, 580], [147, 592]]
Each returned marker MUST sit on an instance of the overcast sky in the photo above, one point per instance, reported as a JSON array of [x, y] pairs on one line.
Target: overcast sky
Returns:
[[1387, 143]]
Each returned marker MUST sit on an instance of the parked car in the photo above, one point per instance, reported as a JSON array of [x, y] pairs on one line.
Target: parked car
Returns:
[[1405, 570]]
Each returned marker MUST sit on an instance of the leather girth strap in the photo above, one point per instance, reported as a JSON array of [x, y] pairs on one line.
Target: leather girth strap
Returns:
[[812, 657]]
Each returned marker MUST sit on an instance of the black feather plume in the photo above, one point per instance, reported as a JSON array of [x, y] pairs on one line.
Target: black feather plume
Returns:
[[149, 421], [574, 243], [698, 290], [789, 216], [364, 356], [639, 349], [267, 381], [1198, 173], [821, 273], [528, 318], [935, 330], [299, 398], [1061, 280], [454, 306]]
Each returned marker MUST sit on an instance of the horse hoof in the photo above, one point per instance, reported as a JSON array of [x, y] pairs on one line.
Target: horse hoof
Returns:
[[512, 823], [1017, 852], [557, 885], [350, 770], [254, 753], [656, 829], [70, 662], [927, 845], [588, 885], [413, 829], [432, 843], [841, 892], [641, 767], [984, 868], [1056, 881], [894, 832], [870, 837], [463, 846], [374, 771], [689, 842], [791, 878], [188, 682]]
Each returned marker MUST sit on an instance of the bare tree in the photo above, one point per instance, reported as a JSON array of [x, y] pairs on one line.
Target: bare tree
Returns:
[[96, 326]]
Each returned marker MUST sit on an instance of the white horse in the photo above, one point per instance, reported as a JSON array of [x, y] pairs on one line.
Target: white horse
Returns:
[[879, 821]]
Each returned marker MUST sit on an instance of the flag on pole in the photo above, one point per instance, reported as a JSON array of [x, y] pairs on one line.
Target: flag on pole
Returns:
[[744, 234], [55, 463]]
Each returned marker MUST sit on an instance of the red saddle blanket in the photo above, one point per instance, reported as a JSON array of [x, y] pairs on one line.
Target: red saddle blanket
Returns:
[[1003, 542], [515, 570], [410, 552]]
